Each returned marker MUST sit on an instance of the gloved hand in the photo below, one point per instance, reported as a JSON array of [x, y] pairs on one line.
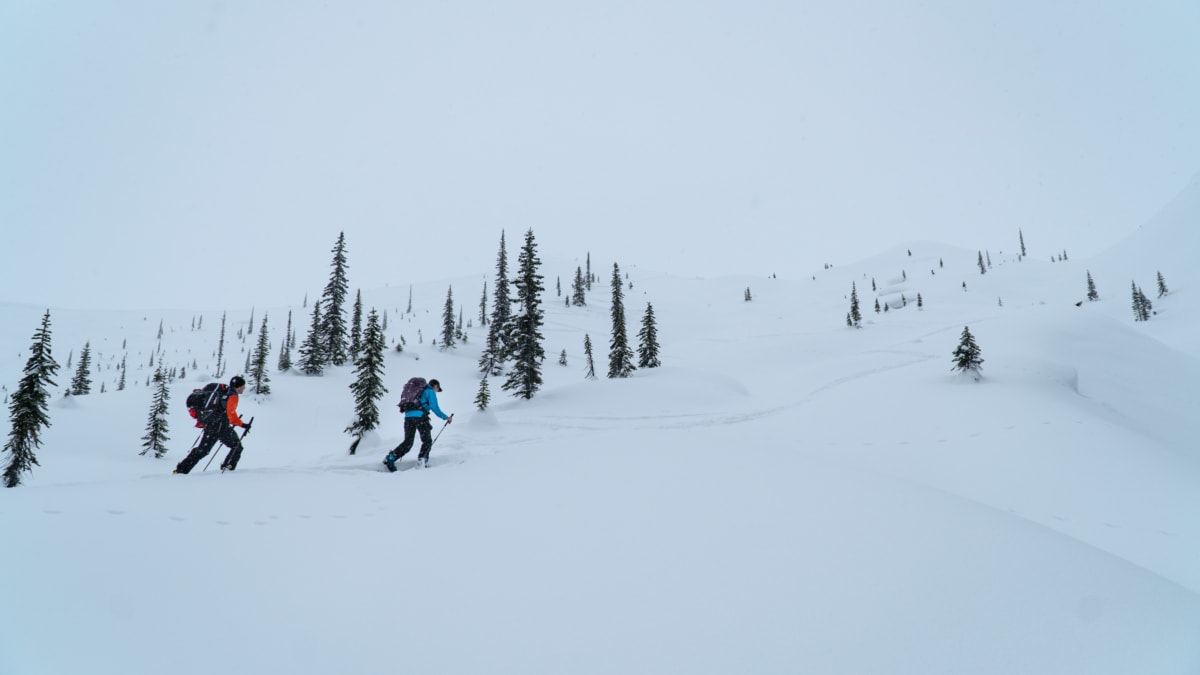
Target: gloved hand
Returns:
[[246, 427], [450, 418]]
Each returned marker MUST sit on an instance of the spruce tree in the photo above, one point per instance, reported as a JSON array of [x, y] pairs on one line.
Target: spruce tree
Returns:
[[258, 371], [526, 350], [334, 348], [368, 387], [121, 382], [483, 397], [81, 384], [1141, 304], [588, 277], [483, 306], [285, 349], [157, 426], [491, 361], [285, 357], [221, 350], [855, 314], [28, 406], [982, 269], [966, 355], [1092, 295], [312, 358], [1021, 235], [620, 356], [590, 373], [1162, 285], [747, 297], [356, 326], [648, 341], [577, 289], [448, 320]]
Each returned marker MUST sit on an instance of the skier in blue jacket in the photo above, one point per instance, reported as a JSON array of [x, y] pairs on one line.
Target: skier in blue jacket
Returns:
[[418, 420]]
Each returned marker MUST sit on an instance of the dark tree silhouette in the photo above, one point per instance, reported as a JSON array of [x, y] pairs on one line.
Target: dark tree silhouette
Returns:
[[157, 426], [312, 358], [483, 396], [448, 320], [81, 384], [495, 349], [368, 387], [590, 373], [527, 353], [966, 355], [356, 319], [1092, 295], [855, 314], [221, 350], [285, 349], [620, 356], [334, 348], [28, 406], [578, 286], [647, 341], [259, 373]]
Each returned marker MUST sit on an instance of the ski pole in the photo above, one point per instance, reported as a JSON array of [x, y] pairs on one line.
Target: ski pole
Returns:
[[439, 433], [210, 459]]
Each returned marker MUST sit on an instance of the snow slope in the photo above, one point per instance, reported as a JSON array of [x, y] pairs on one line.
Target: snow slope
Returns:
[[785, 494]]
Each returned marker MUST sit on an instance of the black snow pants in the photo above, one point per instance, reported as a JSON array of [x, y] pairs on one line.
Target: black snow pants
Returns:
[[213, 432], [412, 425]]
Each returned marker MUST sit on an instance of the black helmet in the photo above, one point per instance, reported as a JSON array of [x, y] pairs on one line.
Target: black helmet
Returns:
[[237, 381], [435, 383]]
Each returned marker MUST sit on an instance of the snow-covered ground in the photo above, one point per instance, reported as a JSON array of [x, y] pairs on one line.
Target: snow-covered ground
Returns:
[[785, 494]]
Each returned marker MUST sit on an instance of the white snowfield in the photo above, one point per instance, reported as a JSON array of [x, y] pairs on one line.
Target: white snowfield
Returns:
[[786, 494]]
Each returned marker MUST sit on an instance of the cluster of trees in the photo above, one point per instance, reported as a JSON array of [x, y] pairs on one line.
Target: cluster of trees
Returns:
[[514, 344]]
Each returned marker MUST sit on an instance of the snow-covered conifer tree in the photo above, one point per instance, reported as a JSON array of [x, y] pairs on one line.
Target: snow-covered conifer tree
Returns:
[[81, 384], [312, 360], [966, 355], [368, 386], [620, 356], [525, 349], [448, 320], [258, 371], [648, 341], [334, 348], [157, 426], [28, 406]]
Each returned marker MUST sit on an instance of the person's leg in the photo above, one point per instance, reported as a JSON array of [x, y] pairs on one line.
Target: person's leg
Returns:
[[230, 438], [410, 432], [410, 436], [207, 440], [426, 430]]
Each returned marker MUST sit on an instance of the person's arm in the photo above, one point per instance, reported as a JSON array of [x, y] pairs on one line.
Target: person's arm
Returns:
[[433, 404], [231, 411]]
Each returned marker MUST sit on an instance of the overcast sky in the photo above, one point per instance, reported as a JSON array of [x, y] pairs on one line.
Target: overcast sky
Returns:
[[164, 142]]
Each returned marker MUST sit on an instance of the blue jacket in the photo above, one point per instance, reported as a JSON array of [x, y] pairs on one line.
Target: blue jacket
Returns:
[[428, 403]]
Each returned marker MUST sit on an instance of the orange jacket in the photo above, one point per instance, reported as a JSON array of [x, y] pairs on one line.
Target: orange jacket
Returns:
[[231, 410]]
